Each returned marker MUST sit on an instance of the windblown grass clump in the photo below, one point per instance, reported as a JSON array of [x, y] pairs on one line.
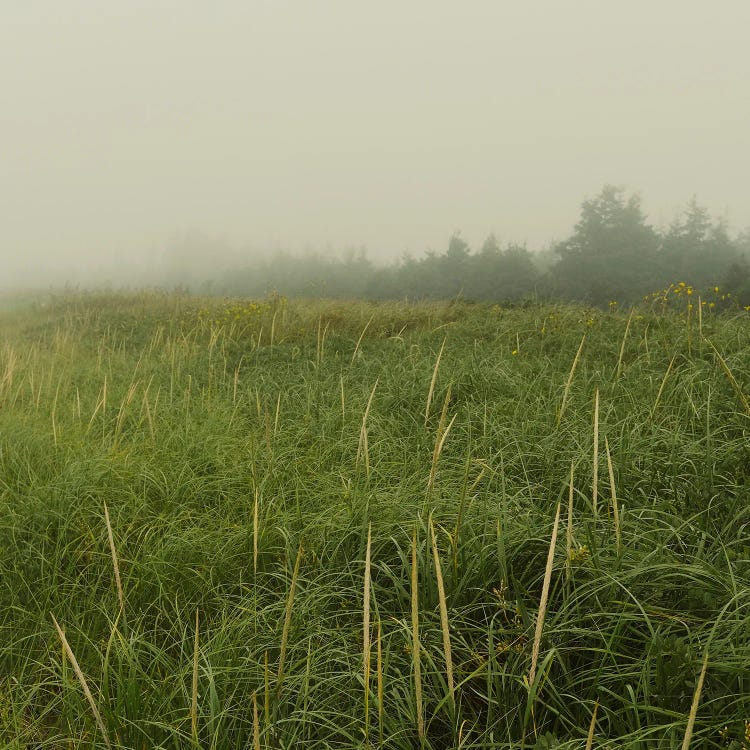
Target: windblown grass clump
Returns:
[[272, 524]]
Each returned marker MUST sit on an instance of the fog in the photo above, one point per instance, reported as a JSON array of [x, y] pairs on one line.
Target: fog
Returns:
[[126, 126]]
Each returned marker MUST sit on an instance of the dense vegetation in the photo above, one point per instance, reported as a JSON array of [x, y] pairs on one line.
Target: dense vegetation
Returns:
[[226, 505], [613, 254]]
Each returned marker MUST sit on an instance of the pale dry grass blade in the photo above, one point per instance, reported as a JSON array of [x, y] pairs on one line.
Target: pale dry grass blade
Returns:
[[569, 382], [194, 691], [595, 482], [732, 380], [432, 383], [415, 646], [622, 345], [256, 724], [359, 340], [266, 689], [276, 417], [343, 401], [436, 454], [613, 493], [543, 601], [569, 534], [255, 532], [661, 387], [115, 564], [287, 622], [366, 630], [381, 685], [592, 727], [363, 446], [82, 680], [694, 706], [440, 438], [444, 624]]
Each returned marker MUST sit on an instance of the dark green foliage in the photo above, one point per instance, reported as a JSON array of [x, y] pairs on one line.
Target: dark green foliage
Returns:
[[613, 255]]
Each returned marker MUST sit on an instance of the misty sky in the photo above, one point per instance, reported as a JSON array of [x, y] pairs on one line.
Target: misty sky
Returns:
[[339, 123]]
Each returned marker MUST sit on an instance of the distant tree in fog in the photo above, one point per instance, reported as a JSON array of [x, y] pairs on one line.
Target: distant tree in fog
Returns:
[[612, 253]]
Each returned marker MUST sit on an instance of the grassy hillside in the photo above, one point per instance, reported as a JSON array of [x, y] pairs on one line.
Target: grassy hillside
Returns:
[[278, 477]]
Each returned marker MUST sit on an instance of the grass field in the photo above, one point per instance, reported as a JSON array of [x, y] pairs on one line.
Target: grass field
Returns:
[[229, 524]]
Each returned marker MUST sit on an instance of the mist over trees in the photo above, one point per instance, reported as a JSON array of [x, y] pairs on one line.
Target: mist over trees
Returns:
[[612, 254]]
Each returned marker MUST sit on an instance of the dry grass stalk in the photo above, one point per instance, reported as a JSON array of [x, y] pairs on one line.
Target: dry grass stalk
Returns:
[[101, 403], [276, 417], [444, 625], [144, 405], [463, 503], [661, 387], [366, 630], [84, 685], [432, 383], [613, 492], [359, 340], [380, 684], [255, 532], [321, 341], [694, 706], [115, 564], [363, 446], [126, 400], [256, 725], [440, 437], [595, 485], [287, 622], [592, 727], [732, 380], [564, 401], [622, 345], [415, 647], [266, 689], [569, 534], [194, 693], [343, 401], [543, 602]]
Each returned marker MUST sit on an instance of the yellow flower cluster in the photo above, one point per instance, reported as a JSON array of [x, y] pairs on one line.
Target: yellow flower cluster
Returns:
[[682, 290], [244, 313]]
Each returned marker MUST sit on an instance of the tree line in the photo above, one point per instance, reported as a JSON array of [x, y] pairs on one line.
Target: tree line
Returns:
[[612, 254]]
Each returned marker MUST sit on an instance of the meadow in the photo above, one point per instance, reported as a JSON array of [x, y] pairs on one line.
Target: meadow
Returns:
[[285, 524]]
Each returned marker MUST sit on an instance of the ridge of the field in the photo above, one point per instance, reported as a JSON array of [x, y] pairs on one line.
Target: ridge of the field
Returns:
[[222, 520]]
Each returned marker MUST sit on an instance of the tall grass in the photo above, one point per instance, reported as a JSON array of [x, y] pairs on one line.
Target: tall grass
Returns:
[[163, 455]]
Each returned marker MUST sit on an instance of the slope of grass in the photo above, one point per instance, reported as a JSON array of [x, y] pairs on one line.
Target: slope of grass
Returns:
[[233, 446]]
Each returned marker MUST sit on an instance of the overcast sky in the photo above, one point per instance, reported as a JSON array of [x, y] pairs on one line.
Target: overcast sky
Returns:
[[338, 123]]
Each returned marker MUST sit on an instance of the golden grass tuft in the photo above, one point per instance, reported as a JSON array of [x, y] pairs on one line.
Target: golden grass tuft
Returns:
[[432, 383], [115, 564], [444, 624], [194, 692], [595, 481], [694, 706], [82, 680], [363, 446], [366, 630], [564, 401], [543, 601], [592, 727], [287, 622], [415, 646], [440, 437], [613, 493]]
